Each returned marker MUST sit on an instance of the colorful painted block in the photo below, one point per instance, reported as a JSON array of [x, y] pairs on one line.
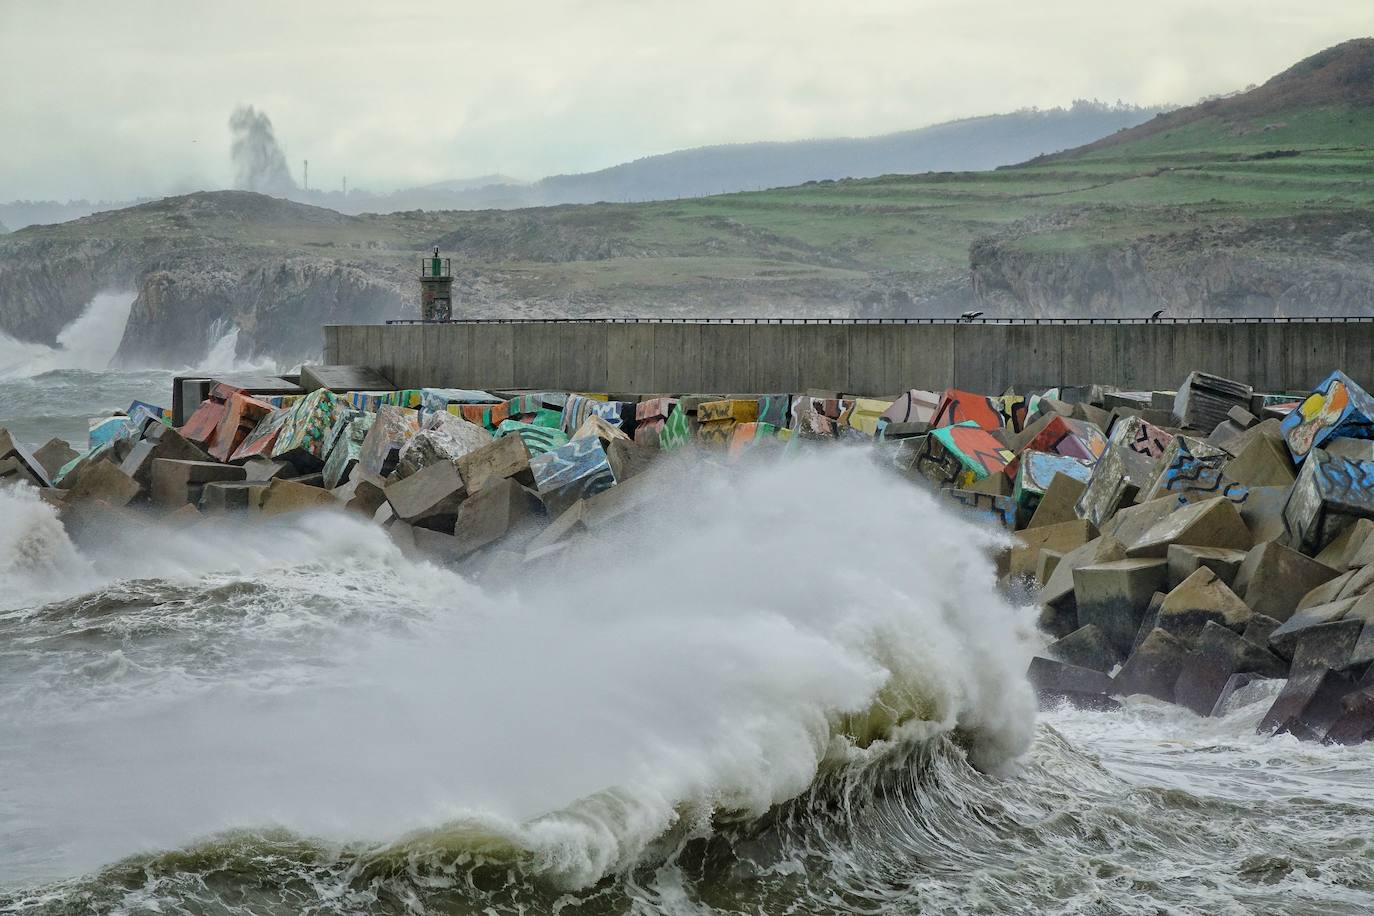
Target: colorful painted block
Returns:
[[1131, 459], [1071, 438], [716, 432], [976, 450], [391, 429], [747, 436], [548, 418], [1036, 470], [347, 450], [965, 407], [262, 439], [1191, 470], [140, 412], [439, 399], [735, 411], [775, 409], [105, 430], [571, 472], [675, 432], [200, 427], [1338, 408], [365, 400], [537, 439], [809, 420], [648, 433], [914, 406], [525, 405], [1329, 495], [1000, 509], [242, 413], [308, 423], [580, 407], [488, 416], [863, 414], [654, 409]]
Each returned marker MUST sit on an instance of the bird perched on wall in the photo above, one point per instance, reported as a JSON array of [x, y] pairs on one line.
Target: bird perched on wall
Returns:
[[1158, 312], [969, 315]]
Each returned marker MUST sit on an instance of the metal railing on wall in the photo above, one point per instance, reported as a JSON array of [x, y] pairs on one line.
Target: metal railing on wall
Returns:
[[1300, 319]]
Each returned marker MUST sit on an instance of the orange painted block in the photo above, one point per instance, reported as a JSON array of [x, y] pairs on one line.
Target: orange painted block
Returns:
[[241, 415]]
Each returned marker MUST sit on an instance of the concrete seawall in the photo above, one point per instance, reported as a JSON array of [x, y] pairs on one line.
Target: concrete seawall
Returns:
[[858, 358]]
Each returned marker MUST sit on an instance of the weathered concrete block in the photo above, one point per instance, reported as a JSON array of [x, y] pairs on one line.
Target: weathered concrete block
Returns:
[[1186, 559], [1274, 578], [1086, 647], [107, 483], [1211, 523], [502, 458], [1204, 400], [444, 437], [1046, 563], [391, 429], [1192, 471], [230, 495], [53, 454], [1219, 654], [1347, 549], [1133, 451], [283, 496], [1129, 524], [1259, 629], [628, 458], [176, 483], [168, 443], [1056, 682], [430, 497], [1355, 723], [999, 510], [1309, 704], [342, 379], [492, 513], [1063, 537], [1261, 462], [1284, 639], [1200, 598], [10, 448], [568, 523], [1262, 513], [1153, 667], [1057, 504], [242, 414], [1035, 474], [1114, 595], [1059, 611], [262, 470], [363, 493]]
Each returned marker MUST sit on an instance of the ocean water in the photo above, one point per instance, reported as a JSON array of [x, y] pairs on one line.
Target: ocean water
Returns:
[[789, 688]]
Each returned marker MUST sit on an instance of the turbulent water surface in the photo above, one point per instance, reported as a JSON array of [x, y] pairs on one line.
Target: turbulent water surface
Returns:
[[791, 689]]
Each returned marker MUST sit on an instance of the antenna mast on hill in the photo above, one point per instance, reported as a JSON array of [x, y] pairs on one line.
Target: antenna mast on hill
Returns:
[[305, 180], [345, 186]]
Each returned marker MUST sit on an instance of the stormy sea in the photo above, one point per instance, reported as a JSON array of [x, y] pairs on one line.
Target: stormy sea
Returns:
[[791, 688]]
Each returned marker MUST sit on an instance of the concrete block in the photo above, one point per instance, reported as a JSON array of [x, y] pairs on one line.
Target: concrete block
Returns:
[[445, 437], [1056, 682], [566, 524], [502, 458], [107, 483], [1336, 408], [1114, 595], [1261, 462], [1262, 513], [1059, 611], [1203, 400], [1057, 505], [1185, 559], [1046, 563], [1214, 522], [363, 493], [1219, 654], [391, 429], [304, 432], [999, 510], [1284, 639], [430, 497], [1327, 591], [1309, 705], [261, 441], [540, 439], [492, 513], [10, 448], [53, 454], [1259, 629], [1131, 523], [1133, 451], [1192, 471], [261, 470], [1355, 723], [1274, 578], [1328, 496], [573, 472], [176, 483], [1063, 537], [1086, 647], [241, 416], [1064, 436], [283, 496], [342, 379], [1153, 667], [1347, 549], [1035, 474], [230, 495], [1200, 598]]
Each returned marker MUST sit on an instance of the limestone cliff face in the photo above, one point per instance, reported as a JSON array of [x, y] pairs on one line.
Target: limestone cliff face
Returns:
[[277, 304], [1321, 266]]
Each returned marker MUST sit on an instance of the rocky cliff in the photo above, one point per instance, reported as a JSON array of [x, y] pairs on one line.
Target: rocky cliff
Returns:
[[1316, 265]]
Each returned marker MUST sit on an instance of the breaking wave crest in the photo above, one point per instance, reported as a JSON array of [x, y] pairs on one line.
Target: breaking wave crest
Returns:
[[751, 649]]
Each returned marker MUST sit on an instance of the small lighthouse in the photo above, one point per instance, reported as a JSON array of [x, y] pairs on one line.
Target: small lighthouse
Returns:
[[436, 289]]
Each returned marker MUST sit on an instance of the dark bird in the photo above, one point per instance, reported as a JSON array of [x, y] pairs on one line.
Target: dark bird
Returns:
[[1158, 312], [969, 315]]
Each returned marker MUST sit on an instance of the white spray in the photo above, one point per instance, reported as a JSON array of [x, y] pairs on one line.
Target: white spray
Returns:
[[710, 656]]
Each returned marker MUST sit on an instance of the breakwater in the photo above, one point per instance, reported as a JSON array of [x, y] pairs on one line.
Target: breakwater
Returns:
[[862, 357]]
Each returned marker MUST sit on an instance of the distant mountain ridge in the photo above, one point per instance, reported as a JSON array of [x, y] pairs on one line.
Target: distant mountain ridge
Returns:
[[970, 144]]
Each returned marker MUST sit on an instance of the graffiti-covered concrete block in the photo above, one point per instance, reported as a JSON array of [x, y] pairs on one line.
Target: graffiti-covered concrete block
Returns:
[[442, 437], [999, 509], [573, 472], [737, 411], [538, 439], [308, 424], [1338, 408], [912, 406], [864, 414], [242, 414], [1133, 451], [962, 454], [676, 431], [392, 428], [347, 450], [579, 407], [957, 407], [1190, 471], [1035, 474], [1328, 496]]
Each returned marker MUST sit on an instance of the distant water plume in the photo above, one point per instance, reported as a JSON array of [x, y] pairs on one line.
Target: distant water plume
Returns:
[[259, 164]]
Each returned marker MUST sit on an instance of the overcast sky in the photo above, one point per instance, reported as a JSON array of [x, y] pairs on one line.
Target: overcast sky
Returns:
[[115, 99]]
